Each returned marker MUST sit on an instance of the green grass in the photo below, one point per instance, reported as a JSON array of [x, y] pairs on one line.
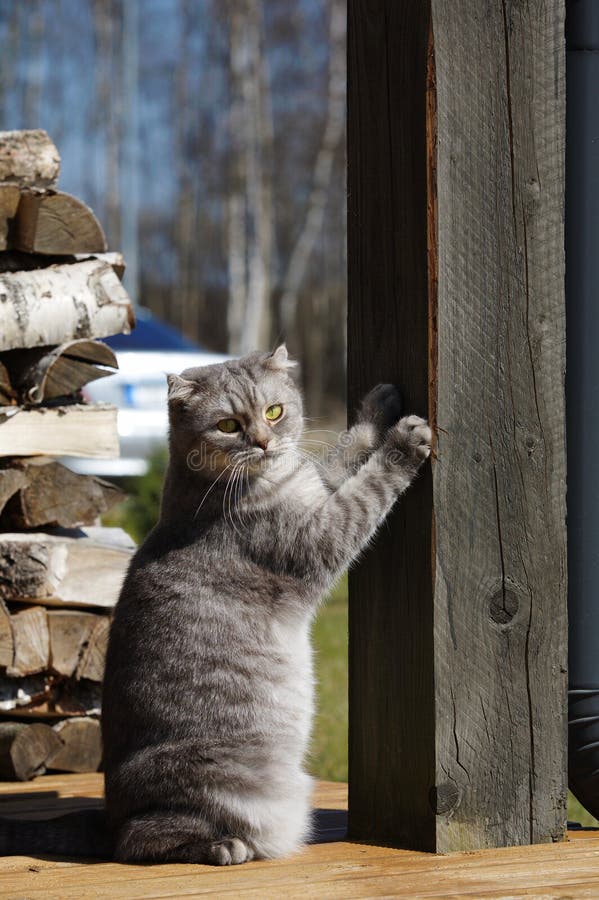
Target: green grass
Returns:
[[328, 757], [577, 813]]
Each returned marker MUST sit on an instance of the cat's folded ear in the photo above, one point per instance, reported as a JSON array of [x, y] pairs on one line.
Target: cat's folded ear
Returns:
[[279, 359], [179, 388]]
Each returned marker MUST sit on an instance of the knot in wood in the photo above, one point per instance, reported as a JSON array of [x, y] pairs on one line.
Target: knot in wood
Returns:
[[444, 797], [503, 606]]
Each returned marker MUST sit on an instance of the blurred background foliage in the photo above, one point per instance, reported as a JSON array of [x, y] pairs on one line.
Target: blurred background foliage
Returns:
[[208, 137]]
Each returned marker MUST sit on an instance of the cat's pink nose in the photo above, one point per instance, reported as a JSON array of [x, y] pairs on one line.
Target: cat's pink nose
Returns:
[[261, 442]]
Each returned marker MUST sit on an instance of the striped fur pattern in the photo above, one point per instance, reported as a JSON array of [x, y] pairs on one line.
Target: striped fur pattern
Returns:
[[208, 695]]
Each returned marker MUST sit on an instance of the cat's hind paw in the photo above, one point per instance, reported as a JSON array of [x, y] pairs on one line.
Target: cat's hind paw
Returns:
[[229, 852]]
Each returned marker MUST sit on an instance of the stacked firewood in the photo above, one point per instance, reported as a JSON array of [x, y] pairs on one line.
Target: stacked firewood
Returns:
[[60, 571]]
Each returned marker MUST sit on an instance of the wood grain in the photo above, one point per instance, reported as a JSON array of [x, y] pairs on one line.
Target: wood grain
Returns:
[[499, 481], [455, 256], [72, 430], [56, 224], [324, 870], [391, 686]]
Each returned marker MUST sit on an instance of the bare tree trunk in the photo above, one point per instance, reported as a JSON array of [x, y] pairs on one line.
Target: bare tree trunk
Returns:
[[250, 207], [236, 210], [302, 251], [259, 138], [131, 162], [108, 111]]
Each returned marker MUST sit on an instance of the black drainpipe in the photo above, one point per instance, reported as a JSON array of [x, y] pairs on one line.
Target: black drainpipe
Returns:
[[582, 394]]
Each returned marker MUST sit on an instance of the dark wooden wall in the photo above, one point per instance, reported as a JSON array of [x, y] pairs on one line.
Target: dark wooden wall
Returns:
[[458, 614]]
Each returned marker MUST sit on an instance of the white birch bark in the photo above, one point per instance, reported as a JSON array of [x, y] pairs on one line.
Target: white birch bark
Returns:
[[62, 303]]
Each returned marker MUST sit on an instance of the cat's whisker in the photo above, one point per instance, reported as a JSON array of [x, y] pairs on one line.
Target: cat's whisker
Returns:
[[232, 496], [229, 491], [210, 489], [239, 496]]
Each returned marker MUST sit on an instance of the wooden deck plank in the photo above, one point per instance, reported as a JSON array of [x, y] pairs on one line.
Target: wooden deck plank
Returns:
[[324, 870]]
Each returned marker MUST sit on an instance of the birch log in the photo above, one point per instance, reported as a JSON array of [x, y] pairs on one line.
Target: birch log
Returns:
[[56, 223], [44, 494], [81, 568], [74, 430], [62, 303], [28, 159]]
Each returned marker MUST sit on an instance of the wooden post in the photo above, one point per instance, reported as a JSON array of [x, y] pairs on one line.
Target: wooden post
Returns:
[[458, 635]]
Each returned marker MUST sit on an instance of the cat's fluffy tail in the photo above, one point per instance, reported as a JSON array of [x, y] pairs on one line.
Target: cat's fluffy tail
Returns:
[[82, 833]]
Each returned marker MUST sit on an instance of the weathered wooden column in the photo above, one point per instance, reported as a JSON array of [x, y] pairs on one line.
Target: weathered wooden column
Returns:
[[458, 636]]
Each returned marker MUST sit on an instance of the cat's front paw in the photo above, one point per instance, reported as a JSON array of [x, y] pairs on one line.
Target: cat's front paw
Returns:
[[382, 407], [411, 438]]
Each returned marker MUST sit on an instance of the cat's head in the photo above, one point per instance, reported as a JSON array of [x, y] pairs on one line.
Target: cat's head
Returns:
[[245, 410]]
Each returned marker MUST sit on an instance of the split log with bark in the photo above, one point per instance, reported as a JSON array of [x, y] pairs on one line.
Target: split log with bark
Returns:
[[73, 430], [61, 303], [80, 568], [38, 492], [50, 373], [55, 223], [28, 159]]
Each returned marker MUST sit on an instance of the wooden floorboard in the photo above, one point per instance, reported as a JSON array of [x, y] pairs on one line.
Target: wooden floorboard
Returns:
[[330, 868]]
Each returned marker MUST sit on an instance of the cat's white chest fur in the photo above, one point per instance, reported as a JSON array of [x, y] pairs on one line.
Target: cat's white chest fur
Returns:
[[291, 640]]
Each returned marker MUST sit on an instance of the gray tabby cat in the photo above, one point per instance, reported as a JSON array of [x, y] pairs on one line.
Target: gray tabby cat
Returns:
[[208, 692]]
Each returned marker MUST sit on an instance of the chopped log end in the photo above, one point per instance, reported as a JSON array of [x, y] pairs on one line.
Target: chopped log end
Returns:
[[70, 631], [24, 749], [31, 642], [94, 654], [56, 223], [81, 749]]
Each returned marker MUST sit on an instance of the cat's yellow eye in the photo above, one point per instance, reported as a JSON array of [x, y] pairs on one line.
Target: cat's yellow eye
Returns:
[[228, 425], [274, 412]]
